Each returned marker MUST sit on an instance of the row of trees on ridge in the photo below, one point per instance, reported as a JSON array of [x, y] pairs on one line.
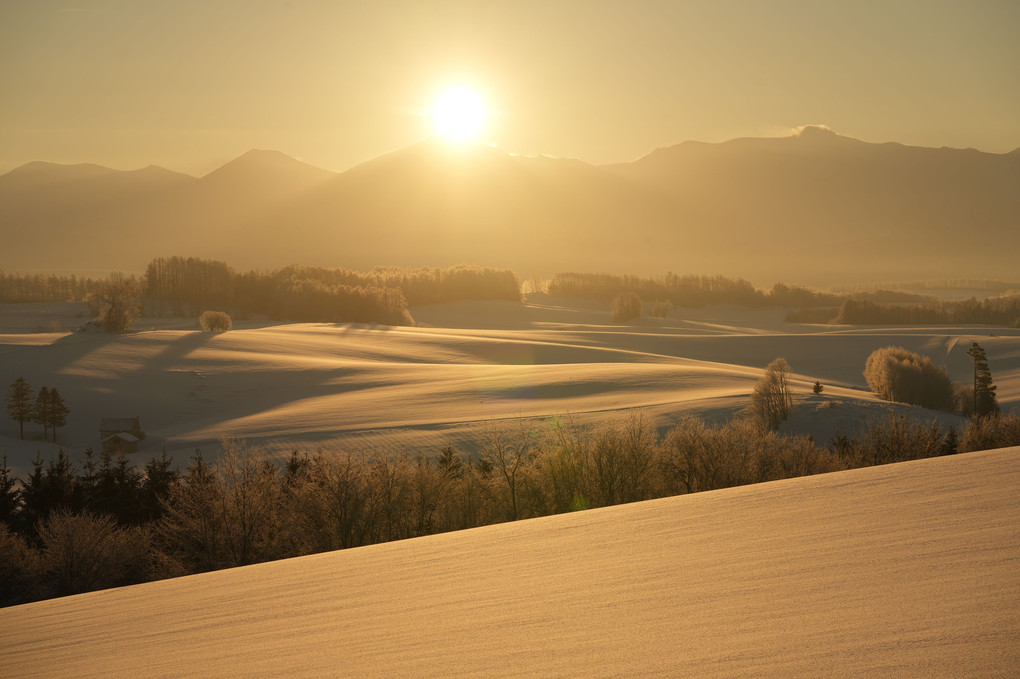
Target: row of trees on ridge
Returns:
[[187, 286]]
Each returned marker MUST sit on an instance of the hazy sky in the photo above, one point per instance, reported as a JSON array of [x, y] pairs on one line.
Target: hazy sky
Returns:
[[190, 85]]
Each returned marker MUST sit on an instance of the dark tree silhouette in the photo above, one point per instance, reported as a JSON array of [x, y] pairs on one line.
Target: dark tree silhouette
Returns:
[[56, 412], [8, 493], [19, 403], [984, 389], [160, 481], [41, 410], [817, 388]]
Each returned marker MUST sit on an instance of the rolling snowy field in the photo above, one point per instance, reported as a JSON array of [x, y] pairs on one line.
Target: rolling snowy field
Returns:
[[905, 570], [374, 387]]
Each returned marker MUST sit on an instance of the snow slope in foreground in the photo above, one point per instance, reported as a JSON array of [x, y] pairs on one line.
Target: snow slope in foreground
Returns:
[[903, 570]]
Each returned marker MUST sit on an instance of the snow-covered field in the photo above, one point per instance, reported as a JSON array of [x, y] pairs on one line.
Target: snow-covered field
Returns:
[[373, 387], [906, 570]]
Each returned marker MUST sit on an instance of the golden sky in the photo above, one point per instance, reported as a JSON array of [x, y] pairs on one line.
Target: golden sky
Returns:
[[191, 84]]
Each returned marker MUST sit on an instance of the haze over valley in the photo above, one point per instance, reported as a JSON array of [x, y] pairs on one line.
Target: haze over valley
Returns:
[[813, 207]]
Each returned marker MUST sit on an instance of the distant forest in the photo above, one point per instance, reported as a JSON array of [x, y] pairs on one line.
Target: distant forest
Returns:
[[697, 291], [877, 307], [26, 288], [188, 286], [992, 311]]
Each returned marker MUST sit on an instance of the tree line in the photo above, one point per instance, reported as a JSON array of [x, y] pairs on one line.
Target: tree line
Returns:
[[23, 288], [188, 286], [76, 526], [698, 291], [1003, 310]]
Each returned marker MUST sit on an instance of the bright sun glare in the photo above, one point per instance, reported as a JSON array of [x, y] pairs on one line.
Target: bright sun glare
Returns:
[[459, 114]]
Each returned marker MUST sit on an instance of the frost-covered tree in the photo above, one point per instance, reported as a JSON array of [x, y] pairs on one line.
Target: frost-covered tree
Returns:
[[771, 400]]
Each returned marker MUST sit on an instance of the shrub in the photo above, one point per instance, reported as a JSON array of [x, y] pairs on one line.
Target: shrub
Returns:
[[215, 321], [991, 431], [626, 306], [896, 439], [661, 308], [897, 374], [698, 457], [20, 566]]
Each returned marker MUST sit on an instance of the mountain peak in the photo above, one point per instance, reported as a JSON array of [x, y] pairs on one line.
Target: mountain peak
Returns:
[[259, 165], [435, 153], [61, 170], [814, 132]]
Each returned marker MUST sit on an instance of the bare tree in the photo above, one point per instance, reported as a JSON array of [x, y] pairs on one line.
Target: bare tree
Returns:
[[334, 507], [509, 449], [771, 400], [229, 514], [83, 552], [116, 304]]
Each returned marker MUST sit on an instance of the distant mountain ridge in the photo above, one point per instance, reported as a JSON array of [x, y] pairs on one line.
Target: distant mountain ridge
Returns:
[[813, 206]]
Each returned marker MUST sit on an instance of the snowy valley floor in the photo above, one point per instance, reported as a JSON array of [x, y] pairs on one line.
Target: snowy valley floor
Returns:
[[905, 570], [470, 364]]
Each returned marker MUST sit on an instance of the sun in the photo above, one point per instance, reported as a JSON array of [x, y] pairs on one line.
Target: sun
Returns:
[[459, 114]]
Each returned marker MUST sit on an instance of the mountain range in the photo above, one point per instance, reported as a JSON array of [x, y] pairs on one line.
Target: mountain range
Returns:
[[811, 207]]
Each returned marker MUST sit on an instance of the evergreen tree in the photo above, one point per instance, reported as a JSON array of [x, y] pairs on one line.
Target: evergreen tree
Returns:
[[129, 488], [19, 403], [56, 412], [41, 411], [118, 489], [295, 470], [984, 389], [817, 388], [32, 499], [8, 494], [47, 491], [160, 481], [88, 480], [60, 484]]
